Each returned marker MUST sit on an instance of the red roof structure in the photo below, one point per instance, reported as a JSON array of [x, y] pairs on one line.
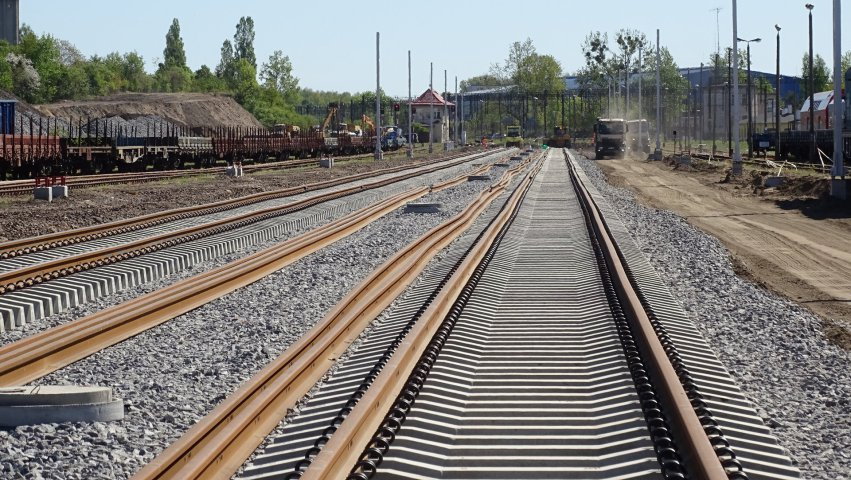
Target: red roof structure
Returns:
[[430, 97]]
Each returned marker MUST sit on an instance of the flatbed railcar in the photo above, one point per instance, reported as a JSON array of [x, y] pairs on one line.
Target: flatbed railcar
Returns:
[[29, 156]]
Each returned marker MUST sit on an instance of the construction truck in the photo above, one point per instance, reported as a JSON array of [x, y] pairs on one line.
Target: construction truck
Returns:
[[560, 138], [513, 138], [639, 135], [610, 137]]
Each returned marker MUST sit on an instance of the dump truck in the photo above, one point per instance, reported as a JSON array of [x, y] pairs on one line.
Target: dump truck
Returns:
[[610, 137]]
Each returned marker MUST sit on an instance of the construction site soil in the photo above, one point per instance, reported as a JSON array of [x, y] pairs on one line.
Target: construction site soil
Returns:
[[792, 240], [22, 217], [186, 109]]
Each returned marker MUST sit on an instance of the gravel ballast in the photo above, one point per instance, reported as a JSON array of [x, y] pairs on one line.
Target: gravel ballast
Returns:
[[277, 229], [799, 381], [172, 375]]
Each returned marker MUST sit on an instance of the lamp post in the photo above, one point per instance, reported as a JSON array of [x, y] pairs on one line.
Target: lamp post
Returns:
[[737, 154], [837, 185], [750, 103], [777, 100], [812, 86]]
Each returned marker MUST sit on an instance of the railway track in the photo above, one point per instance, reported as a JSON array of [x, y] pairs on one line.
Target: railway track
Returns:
[[43, 353], [48, 274], [543, 346], [25, 187]]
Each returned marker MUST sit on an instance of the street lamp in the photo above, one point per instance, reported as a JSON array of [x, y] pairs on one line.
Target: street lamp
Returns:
[[812, 86], [750, 106], [777, 100]]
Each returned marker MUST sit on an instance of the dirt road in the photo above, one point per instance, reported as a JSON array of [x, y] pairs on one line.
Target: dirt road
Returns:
[[803, 258]]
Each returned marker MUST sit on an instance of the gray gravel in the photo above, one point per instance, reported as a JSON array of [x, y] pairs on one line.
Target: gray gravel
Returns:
[[166, 375], [141, 126], [798, 380], [336, 208]]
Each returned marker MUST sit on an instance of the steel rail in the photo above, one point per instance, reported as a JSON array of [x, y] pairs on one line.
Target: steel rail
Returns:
[[344, 449], [338, 457], [37, 355], [218, 445], [20, 187], [700, 457], [41, 272], [24, 246]]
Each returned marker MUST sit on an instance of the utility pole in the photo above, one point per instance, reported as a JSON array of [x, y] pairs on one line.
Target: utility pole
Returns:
[[410, 116], [445, 118], [658, 152], [431, 107], [729, 108], [640, 137], [377, 97], [737, 153], [812, 91], [837, 185], [700, 106], [777, 100], [455, 110]]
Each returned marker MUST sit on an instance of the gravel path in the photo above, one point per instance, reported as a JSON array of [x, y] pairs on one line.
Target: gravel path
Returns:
[[799, 381], [165, 375]]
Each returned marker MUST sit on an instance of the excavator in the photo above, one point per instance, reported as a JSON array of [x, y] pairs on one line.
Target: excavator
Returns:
[[368, 122], [332, 114]]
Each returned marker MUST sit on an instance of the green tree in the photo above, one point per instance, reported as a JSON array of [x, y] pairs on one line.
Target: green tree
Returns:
[[845, 62], [225, 68], [821, 74], [243, 41], [206, 81], [133, 71], [244, 82], [277, 74], [174, 54], [486, 80]]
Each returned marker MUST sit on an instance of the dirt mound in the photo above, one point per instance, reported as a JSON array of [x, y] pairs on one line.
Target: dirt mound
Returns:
[[806, 186], [184, 109]]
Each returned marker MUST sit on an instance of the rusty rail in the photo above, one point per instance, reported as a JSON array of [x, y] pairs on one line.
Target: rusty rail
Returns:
[[218, 444], [37, 355], [41, 272], [23, 246], [344, 449]]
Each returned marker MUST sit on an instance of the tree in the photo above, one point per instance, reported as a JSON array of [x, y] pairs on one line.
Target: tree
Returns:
[[486, 80], [845, 62], [25, 79], [821, 74], [243, 41], [133, 71], [277, 74], [244, 82], [174, 54], [225, 68], [206, 81], [517, 54]]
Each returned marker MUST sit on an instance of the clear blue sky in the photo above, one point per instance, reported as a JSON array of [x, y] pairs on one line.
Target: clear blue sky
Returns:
[[332, 43]]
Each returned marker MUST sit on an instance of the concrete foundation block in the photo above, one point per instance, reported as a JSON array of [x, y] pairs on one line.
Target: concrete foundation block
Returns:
[[423, 208], [326, 162], [771, 182], [43, 193], [59, 191], [57, 404], [234, 171]]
